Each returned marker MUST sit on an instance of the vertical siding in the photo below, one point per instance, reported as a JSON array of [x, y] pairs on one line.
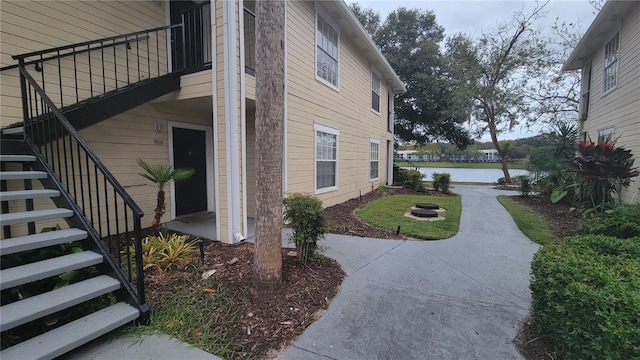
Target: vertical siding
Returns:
[[348, 110], [620, 108]]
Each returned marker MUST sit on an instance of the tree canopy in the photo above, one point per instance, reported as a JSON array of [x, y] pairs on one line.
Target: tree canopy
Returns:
[[410, 40]]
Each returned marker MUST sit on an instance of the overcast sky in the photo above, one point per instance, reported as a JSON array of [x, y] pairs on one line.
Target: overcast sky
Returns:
[[472, 16]]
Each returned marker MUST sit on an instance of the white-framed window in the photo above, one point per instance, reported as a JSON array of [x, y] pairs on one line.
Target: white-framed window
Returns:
[[327, 51], [374, 159], [375, 92], [326, 161], [611, 55], [605, 134]]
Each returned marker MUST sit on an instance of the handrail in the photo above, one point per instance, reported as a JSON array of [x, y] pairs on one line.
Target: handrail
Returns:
[[99, 201], [82, 71], [72, 131], [14, 66], [91, 42]]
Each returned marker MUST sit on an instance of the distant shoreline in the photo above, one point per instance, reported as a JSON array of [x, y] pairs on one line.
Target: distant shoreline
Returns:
[[458, 165]]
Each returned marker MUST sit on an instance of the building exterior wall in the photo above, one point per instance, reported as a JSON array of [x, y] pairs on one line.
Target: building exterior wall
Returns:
[[27, 26], [347, 109], [618, 109]]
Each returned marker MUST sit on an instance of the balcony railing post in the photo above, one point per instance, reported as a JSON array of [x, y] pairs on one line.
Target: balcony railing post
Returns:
[[137, 231], [25, 105]]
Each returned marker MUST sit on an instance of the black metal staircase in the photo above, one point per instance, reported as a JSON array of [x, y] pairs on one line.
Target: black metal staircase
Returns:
[[96, 253]]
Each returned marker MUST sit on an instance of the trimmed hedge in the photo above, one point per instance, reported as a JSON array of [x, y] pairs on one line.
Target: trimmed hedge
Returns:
[[586, 297]]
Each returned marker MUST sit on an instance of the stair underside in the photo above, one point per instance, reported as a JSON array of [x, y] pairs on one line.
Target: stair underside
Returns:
[[16, 158], [27, 273], [68, 337], [36, 241], [24, 311]]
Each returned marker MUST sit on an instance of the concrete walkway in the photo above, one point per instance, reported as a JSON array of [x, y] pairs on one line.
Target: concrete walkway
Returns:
[[460, 298]]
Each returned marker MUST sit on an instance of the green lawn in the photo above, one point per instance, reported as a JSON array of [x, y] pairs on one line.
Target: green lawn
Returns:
[[457, 165], [388, 212], [531, 224]]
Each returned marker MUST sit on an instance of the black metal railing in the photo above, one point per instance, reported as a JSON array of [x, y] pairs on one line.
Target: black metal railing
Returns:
[[74, 73], [249, 41], [197, 36], [102, 206]]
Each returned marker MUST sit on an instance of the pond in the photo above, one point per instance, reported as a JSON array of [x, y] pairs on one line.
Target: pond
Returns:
[[471, 175]]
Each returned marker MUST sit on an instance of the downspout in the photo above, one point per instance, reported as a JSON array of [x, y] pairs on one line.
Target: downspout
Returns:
[[214, 121], [231, 119]]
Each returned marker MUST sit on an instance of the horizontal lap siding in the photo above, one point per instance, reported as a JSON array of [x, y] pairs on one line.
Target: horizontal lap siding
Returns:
[[38, 25], [348, 110], [620, 108]]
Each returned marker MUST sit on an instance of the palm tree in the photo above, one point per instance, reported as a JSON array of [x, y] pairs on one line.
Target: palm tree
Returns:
[[267, 263], [161, 175]]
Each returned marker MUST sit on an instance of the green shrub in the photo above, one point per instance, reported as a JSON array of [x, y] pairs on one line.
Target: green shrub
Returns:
[[303, 213], [502, 181], [622, 222], [525, 185], [441, 182], [165, 251], [586, 297], [399, 174], [414, 180]]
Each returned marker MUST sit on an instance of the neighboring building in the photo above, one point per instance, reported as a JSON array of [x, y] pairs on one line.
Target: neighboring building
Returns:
[[609, 57], [490, 155], [173, 82], [414, 155]]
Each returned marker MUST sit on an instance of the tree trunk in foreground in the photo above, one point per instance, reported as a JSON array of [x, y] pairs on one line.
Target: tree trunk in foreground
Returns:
[[267, 262], [159, 212]]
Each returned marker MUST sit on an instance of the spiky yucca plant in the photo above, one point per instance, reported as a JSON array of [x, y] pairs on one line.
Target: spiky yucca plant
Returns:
[[161, 175]]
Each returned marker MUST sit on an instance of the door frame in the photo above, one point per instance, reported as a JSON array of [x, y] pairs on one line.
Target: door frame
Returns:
[[209, 161]]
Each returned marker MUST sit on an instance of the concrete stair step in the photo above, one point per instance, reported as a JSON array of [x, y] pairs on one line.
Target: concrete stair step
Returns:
[[17, 158], [68, 337], [39, 270], [22, 175], [37, 241], [28, 194], [33, 308], [33, 216]]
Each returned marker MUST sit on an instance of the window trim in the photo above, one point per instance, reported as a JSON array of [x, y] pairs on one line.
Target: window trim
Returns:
[[328, 130], [321, 14], [615, 64], [374, 72], [606, 133], [371, 142]]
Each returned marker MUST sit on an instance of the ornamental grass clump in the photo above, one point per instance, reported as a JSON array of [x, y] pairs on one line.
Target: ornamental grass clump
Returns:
[[303, 213], [586, 297], [165, 251]]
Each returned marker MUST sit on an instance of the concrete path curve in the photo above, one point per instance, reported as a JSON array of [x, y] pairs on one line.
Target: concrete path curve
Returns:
[[460, 298]]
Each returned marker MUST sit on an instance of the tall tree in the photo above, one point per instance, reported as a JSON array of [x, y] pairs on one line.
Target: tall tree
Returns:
[[410, 40], [267, 263], [498, 68]]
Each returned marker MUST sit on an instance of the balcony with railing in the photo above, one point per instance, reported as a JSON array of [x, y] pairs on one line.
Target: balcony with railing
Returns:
[[249, 42]]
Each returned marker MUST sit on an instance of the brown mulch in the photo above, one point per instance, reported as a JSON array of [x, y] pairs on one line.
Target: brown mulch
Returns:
[[343, 220], [562, 221], [266, 323]]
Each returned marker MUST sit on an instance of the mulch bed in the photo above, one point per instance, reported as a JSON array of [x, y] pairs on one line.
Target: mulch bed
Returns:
[[562, 221], [266, 323]]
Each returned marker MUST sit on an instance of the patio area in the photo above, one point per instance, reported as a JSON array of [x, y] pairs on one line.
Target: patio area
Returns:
[[203, 225]]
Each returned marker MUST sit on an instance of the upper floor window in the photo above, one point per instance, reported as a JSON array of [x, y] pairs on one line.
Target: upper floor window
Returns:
[[375, 92], [611, 53], [605, 135], [326, 52]]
